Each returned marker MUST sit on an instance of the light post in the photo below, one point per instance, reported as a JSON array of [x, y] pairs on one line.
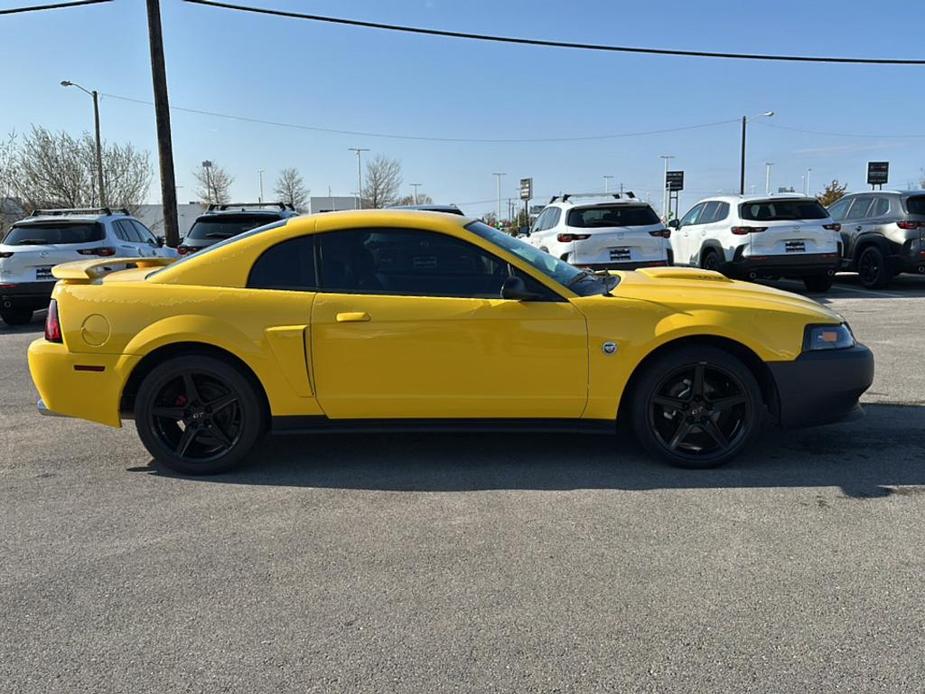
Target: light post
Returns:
[[498, 176], [767, 177], [414, 194], [666, 158], [210, 189], [359, 152], [99, 145], [607, 180], [766, 114], [808, 172], [260, 185]]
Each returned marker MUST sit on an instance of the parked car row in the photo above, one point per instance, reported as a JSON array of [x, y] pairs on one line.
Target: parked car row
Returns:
[[877, 234]]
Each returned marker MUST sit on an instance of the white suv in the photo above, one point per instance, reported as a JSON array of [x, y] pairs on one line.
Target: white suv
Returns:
[[752, 236], [37, 243], [618, 233]]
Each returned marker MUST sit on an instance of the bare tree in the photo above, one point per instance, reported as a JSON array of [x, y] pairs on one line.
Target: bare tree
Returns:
[[213, 184], [383, 181], [423, 199], [290, 188], [8, 165], [58, 169]]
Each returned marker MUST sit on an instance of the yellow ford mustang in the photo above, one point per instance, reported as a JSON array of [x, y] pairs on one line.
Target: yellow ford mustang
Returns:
[[409, 319]]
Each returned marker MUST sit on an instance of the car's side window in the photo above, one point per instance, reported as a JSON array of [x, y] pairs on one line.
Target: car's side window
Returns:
[[692, 215], [407, 262], [538, 225], [709, 213], [121, 233], [838, 210], [880, 208], [859, 208], [144, 232], [289, 265], [554, 214], [721, 212]]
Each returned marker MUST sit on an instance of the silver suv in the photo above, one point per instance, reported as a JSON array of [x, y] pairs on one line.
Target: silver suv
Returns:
[[883, 234]]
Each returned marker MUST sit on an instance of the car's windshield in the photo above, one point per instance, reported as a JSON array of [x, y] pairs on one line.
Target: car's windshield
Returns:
[[611, 216], [54, 233], [578, 281], [782, 210], [916, 204], [225, 226]]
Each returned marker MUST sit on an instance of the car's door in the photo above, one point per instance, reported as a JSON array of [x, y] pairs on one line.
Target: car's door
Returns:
[[837, 212], [681, 239], [855, 222], [149, 244], [409, 323], [127, 246]]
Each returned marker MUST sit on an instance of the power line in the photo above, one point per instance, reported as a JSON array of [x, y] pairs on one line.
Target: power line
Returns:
[[423, 138], [556, 44], [52, 6]]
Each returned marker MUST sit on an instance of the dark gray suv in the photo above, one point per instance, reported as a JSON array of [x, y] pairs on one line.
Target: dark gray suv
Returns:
[[883, 234]]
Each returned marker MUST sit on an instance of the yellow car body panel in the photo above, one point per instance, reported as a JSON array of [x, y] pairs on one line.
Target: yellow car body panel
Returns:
[[348, 356]]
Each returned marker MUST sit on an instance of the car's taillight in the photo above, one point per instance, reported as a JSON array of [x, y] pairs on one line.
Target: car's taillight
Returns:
[[566, 238], [902, 224], [832, 227], [742, 231], [104, 251], [183, 250], [52, 325], [6, 254], [663, 233]]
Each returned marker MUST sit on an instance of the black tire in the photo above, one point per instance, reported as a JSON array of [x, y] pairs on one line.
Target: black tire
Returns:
[[693, 427], [198, 415], [818, 283], [16, 316], [872, 268], [709, 259]]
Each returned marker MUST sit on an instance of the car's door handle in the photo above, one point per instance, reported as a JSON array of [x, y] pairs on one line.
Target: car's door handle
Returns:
[[858, 228], [352, 317]]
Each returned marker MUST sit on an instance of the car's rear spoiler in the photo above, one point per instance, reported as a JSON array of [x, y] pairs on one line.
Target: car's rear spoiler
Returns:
[[81, 271]]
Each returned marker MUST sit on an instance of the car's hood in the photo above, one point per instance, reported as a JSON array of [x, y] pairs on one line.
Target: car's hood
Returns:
[[683, 288]]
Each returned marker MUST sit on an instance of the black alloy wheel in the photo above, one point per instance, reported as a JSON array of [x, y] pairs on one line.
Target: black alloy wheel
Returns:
[[872, 269], [697, 407], [709, 260], [198, 415]]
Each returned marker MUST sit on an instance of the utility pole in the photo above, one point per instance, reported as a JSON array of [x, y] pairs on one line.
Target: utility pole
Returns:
[[162, 115], [359, 152], [607, 180], [767, 177], [99, 144], [666, 158], [414, 194], [498, 176], [260, 185]]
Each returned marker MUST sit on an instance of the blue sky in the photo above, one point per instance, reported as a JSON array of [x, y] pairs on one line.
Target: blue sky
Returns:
[[360, 79]]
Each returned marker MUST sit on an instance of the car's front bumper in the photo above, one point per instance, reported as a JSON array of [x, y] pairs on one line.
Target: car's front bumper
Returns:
[[796, 265], [822, 387]]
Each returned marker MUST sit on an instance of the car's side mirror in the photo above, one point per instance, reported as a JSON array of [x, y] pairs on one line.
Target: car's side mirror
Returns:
[[674, 223], [161, 241], [515, 288]]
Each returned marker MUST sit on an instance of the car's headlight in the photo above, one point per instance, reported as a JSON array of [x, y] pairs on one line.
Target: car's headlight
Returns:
[[820, 337]]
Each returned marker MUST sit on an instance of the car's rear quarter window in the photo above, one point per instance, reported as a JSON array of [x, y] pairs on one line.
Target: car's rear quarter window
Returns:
[[782, 210], [916, 204], [61, 233], [611, 216], [287, 265]]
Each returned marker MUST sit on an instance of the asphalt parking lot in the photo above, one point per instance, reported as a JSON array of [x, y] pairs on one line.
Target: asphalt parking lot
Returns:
[[474, 563]]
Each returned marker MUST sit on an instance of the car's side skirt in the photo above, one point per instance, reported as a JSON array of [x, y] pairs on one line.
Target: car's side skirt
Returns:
[[322, 425]]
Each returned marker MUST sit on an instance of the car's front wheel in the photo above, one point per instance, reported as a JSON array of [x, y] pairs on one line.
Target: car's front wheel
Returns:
[[198, 415], [16, 316], [696, 407]]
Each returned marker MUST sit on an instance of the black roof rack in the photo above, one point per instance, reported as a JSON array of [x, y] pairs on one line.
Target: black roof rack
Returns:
[[629, 195], [235, 205], [78, 210]]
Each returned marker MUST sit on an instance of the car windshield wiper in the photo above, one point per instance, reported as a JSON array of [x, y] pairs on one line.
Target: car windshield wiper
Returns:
[[31, 242], [577, 278]]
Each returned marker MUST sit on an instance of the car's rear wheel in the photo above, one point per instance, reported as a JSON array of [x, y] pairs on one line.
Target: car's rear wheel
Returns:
[[696, 407], [818, 283], [709, 260], [16, 316], [198, 415], [872, 268]]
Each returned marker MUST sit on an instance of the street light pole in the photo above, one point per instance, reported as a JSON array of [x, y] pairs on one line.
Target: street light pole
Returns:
[[498, 176], [99, 145], [260, 185], [766, 114], [808, 172], [666, 158], [767, 177], [359, 152], [414, 194], [607, 180]]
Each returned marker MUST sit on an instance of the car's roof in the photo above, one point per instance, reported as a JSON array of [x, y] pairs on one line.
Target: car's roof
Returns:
[[451, 209], [904, 193], [65, 218], [751, 197], [595, 199]]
